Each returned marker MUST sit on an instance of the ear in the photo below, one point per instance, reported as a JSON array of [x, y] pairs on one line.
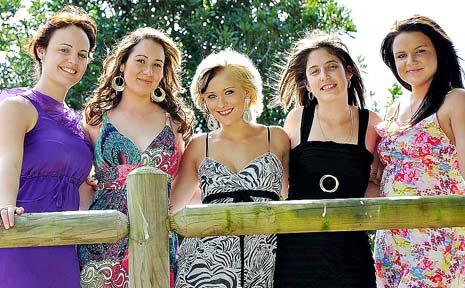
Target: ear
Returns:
[[40, 51], [307, 86], [349, 73], [121, 68]]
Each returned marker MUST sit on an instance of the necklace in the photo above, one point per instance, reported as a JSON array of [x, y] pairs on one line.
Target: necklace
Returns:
[[347, 140]]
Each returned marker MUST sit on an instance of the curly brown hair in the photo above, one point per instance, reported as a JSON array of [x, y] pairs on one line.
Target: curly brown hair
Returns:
[[106, 98], [68, 16]]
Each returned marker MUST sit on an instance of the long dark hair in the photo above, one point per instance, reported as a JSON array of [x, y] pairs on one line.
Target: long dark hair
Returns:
[[105, 98], [448, 74], [291, 87]]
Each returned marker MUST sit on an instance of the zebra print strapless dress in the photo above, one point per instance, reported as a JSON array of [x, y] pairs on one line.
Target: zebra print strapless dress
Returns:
[[232, 261]]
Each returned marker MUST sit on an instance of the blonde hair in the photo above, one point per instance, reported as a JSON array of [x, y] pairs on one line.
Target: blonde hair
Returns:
[[242, 69]]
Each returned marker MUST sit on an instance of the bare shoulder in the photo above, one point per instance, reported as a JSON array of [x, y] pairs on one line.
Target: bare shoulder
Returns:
[[16, 110], [391, 110], [295, 115], [278, 134], [455, 99], [373, 118], [196, 146]]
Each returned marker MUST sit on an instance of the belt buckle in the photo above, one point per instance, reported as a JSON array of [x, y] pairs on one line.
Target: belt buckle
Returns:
[[323, 188]]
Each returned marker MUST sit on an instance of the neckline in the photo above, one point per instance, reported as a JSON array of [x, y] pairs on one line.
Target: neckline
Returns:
[[45, 101], [107, 122], [263, 155], [402, 129]]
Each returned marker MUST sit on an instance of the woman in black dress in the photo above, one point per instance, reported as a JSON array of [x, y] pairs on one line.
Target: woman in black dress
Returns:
[[332, 144]]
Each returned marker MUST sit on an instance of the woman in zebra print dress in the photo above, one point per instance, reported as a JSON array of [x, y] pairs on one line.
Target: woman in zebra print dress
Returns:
[[254, 169]]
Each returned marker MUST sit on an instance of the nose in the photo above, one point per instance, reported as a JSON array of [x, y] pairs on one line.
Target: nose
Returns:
[[410, 58], [323, 74], [148, 70], [221, 101], [73, 58]]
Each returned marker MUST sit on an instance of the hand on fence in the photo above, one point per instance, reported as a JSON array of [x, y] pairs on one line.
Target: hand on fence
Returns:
[[7, 213]]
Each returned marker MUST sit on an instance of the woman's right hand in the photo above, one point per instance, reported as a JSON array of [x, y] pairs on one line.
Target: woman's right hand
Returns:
[[7, 213]]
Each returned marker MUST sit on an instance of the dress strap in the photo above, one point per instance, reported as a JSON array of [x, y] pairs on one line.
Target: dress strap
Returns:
[[363, 116], [206, 146], [168, 120], [306, 123], [269, 138]]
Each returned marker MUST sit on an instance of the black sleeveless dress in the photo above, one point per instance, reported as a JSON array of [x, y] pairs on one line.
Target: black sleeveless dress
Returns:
[[329, 259]]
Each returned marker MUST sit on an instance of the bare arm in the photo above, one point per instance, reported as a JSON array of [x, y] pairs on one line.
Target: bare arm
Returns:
[[186, 181], [371, 142], [87, 189], [456, 107], [280, 145], [17, 117]]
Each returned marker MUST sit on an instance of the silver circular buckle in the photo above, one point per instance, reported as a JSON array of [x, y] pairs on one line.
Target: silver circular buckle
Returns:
[[323, 188]]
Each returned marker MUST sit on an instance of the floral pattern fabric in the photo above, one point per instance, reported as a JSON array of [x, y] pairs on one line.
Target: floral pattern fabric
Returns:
[[106, 265], [420, 161]]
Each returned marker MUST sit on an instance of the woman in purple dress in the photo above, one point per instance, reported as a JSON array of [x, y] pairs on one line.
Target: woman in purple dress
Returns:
[[44, 154]]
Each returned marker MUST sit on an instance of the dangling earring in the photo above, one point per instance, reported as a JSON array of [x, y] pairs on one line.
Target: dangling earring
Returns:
[[212, 123], [247, 115], [348, 84], [160, 98], [311, 96], [118, 87]]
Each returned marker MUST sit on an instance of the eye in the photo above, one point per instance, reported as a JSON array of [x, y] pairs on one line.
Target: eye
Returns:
[[228, 92], [83, 55], [419, 51], [401, 55], [141, 61], [211, 96], [332, 66], [313, 72], [157, 65], [64, 50]]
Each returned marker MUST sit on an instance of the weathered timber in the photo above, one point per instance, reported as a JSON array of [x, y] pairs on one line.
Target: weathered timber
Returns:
[[319, 216], [65, 228], [148, 236]]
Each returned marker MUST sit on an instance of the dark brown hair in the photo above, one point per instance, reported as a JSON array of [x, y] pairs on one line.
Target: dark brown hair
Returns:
[[68, 16], [448, 74], [292, 88], [105, 98]]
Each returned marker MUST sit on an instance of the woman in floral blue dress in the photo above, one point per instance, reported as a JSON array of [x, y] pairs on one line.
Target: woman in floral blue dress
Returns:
[[135, 114]]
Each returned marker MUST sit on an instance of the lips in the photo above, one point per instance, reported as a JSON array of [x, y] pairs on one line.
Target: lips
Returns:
[[225, 112], [414, 70], [327, 87], [68, 70], [145, 81]]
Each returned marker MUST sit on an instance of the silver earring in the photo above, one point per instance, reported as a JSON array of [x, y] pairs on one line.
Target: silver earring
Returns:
[[311, 96], [118, 87], [212, 123], [247, 115], [348, 84], [159, 98]]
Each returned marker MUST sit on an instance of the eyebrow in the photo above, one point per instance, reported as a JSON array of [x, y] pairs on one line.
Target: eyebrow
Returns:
[[69, 45], [420, 46], [211, 92], [140, 55], [328, 62]]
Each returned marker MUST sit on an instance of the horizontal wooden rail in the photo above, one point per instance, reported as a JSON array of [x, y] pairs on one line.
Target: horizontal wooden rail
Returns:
[[319, 216], [65, 228]]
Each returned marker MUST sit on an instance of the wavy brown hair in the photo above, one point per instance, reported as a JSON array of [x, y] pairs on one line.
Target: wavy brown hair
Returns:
[[68, 16], [291, 87], [105, 98]]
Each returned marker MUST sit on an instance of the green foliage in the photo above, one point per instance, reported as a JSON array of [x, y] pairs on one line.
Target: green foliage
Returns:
[[263, 30]]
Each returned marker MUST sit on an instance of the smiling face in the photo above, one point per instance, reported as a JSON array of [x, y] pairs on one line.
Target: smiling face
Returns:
[[326, 77], [65, 59], [415, 58], [225, 97], [144, 68]]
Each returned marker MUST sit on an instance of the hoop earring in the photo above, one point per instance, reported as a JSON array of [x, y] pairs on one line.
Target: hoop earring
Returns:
[[311, 96], [160, 98], [118, 87], [247, 115], [212, 123]]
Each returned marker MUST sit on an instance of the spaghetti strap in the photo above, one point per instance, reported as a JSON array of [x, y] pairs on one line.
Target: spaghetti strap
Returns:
[[206, 146], [269, 138], [363, 115], [306, 123]]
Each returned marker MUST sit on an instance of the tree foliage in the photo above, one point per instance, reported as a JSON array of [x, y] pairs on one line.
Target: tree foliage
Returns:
[[263, 30]]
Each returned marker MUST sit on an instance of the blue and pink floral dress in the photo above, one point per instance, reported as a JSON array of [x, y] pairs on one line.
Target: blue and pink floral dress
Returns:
[[106, 265], [420, 161]]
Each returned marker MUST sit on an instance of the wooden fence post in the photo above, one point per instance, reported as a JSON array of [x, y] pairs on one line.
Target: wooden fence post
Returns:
[[148, 228]]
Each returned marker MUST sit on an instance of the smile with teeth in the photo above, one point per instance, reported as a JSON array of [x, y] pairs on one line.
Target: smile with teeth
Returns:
[[68, 70], [327, 87], [225, 112]]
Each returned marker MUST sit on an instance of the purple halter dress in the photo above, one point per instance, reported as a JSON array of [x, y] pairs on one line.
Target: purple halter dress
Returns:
[[57, 160]]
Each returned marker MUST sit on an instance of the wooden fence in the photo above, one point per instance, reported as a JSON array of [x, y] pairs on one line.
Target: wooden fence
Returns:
[[148, 222]]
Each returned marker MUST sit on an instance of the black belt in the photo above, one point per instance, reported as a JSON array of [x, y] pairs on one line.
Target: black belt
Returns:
[[239, 196]]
